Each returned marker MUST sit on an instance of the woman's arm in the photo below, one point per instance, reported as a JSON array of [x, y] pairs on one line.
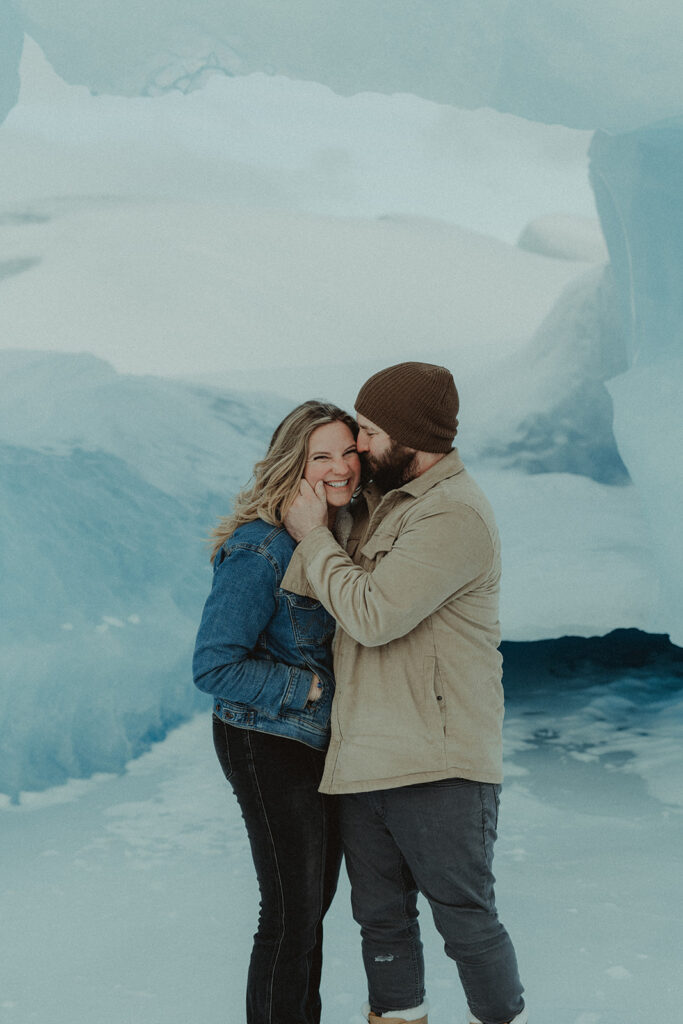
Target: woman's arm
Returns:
[[240, 606]]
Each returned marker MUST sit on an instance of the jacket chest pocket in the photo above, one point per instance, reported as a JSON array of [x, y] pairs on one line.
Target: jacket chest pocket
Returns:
[[375, 549], [312, 625]]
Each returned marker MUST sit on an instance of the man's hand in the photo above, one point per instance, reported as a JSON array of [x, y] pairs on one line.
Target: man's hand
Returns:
[[308, 511]]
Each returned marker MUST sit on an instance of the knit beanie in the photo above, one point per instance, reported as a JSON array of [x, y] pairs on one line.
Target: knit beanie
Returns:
[[415, 403]]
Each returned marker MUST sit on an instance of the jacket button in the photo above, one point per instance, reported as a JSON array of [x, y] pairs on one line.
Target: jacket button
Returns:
[[439, 697], [229, 714]]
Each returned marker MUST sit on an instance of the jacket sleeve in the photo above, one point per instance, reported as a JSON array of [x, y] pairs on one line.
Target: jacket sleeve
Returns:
[[241, 604], [433, 558]]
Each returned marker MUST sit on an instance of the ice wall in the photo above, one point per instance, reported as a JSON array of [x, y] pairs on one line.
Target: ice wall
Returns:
[[108, 485], [547, 410], [637, 178], [613, 63], [11, 39], [648, 425], [638, 183]]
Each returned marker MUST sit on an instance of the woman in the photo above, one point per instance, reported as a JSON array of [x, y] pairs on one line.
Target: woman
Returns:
[[265, 656]]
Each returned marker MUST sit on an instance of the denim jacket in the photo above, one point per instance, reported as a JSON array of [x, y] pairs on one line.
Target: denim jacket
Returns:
[[258, 646]]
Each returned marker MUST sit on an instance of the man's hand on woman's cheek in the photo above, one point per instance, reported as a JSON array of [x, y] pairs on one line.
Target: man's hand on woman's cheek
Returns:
[[308, 511]]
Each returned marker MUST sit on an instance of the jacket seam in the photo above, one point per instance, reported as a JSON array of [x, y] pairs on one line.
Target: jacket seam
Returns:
[[264, 553]]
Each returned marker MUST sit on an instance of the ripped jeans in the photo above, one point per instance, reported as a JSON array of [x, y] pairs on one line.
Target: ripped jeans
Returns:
[[435, 838]]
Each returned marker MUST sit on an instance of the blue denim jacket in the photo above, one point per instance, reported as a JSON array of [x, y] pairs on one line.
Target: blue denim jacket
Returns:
[[258, 645]]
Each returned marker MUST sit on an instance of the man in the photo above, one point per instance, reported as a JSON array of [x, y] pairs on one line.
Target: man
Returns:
[[416, 744]]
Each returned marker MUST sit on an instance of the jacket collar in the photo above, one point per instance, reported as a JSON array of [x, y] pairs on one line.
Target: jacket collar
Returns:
[[449, 466], [446, 467]]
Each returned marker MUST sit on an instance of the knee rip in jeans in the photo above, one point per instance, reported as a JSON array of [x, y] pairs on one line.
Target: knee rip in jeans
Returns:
[[384, 958]]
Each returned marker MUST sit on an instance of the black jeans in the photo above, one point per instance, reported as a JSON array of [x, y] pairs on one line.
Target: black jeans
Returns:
[[436, 838], [294, 837]]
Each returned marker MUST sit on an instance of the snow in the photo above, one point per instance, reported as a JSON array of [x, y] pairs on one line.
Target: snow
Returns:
[[247, 289], [576, 555], [268, 142], [147, 878], [568, 238]]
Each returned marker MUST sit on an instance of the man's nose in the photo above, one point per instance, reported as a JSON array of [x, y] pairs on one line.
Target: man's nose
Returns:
[[362, 444]]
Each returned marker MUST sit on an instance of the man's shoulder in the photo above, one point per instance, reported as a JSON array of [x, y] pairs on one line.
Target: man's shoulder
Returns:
[[456, 518], [451, 493], [465, 488]]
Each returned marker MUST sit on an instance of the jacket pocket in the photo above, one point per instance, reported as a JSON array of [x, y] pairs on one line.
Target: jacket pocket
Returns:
[[434, 695], [378, 545], [312, 625]]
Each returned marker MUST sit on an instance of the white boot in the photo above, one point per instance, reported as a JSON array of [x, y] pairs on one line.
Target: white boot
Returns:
[[521, 1018]]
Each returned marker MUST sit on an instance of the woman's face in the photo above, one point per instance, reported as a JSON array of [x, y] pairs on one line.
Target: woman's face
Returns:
[[332, 458]]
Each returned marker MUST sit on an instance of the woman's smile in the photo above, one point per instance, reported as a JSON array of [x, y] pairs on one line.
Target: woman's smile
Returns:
[[332, 449]]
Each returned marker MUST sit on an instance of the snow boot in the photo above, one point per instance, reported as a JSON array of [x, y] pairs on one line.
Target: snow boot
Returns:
[[416, 1015], [521, 1018], [374, 1019]]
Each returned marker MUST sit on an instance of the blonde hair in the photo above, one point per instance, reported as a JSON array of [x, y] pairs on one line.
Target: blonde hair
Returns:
[[277, 476]]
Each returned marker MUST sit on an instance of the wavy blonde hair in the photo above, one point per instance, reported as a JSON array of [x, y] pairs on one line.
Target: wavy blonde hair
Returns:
[[276, 478]]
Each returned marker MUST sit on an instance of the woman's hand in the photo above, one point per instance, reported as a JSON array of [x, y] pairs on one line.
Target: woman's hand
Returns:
[[316, 691]]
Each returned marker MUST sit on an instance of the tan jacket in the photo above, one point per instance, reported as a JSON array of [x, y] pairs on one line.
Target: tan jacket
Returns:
[[416, 659]]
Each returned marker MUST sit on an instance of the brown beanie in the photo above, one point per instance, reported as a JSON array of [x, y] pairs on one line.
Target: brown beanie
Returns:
[[415, 403]]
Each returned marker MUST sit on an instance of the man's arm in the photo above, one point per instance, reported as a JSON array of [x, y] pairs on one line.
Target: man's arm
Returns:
[[435, 557]]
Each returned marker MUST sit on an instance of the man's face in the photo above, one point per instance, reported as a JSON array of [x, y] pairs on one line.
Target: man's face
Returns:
[[389, 463]]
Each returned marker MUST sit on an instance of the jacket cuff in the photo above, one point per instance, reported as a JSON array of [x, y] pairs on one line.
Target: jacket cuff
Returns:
[[298, 686], [295, 579]]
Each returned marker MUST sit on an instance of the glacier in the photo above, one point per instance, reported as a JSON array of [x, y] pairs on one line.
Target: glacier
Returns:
[[108, 485], [609, 64], [637, 182], [11, 43]]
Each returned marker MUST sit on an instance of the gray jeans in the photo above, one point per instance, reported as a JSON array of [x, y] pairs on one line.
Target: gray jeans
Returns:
[[436, 838]]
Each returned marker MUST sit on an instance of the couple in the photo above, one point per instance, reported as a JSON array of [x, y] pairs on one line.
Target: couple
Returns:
[[407, 572]]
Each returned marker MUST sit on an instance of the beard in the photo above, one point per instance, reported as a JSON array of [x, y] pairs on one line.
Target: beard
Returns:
[[392, 469]]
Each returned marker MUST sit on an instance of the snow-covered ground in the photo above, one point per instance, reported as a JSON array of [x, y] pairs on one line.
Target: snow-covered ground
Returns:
[[131, 899], [183, 287]]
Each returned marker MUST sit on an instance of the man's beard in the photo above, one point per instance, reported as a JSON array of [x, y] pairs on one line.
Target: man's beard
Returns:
[[392, 469]]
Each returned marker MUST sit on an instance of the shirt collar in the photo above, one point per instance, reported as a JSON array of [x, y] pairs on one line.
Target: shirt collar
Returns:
[[450, 465]]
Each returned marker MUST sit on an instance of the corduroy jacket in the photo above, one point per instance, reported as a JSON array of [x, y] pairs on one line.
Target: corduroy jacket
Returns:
[[417, 667]]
